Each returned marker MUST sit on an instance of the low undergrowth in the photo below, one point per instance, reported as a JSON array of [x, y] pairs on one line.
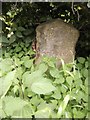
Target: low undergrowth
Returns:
[[42, 91]]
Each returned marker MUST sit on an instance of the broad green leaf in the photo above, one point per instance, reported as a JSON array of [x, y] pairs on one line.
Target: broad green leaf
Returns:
[[6, 82], [54, 73], [12, 39], [25, 112], [3, 39], [29, 79], [42, 86], [57, 94], [63, 106], [86, 73], [43, 67], [69, 80], [6, 65], [36, 100], [81, 60], [44, 113], [86, 64], [13, 104], [60, 80], [28, 63]]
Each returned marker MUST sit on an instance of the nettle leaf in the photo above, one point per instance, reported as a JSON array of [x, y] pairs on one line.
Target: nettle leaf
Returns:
[[42, 86], [54, 73], [6, 82], [3, 39], [25, 112], [13, 104], [81, 60]]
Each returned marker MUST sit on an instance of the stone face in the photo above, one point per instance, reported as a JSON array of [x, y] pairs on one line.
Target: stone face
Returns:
[[56, 38]]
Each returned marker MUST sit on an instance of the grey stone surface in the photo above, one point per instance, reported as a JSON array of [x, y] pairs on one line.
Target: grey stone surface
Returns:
[[56, 38]]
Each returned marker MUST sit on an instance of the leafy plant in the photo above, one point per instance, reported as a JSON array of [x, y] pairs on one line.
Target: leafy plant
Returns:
[[43, 90]]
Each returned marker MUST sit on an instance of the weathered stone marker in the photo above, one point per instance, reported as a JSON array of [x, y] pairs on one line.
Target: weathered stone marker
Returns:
[[56, 38]]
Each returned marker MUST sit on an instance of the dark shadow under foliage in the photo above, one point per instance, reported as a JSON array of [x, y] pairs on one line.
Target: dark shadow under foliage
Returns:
[[32, 14]]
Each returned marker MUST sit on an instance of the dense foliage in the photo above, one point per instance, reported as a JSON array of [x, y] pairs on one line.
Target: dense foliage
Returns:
[[42, 91]]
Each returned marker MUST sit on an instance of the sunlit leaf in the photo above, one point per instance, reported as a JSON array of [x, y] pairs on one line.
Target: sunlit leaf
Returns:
[[42, 87]]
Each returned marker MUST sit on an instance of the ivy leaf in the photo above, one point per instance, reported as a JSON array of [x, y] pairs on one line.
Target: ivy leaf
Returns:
[[42, 86]]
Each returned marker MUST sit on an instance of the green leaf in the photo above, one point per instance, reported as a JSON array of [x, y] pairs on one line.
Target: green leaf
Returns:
[[13, 104], [43, 67], [12, 39], [54, 73], [3, 39], [25, 112], [69, 80], [42, 86], [28, 63], [19, 34], [28, 79], [18, 49], [81, 60], [6, 65], [63, 106], [35, 100], [44, 113], [21, 28], [6, 82], [57, 94], [78, 114]]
